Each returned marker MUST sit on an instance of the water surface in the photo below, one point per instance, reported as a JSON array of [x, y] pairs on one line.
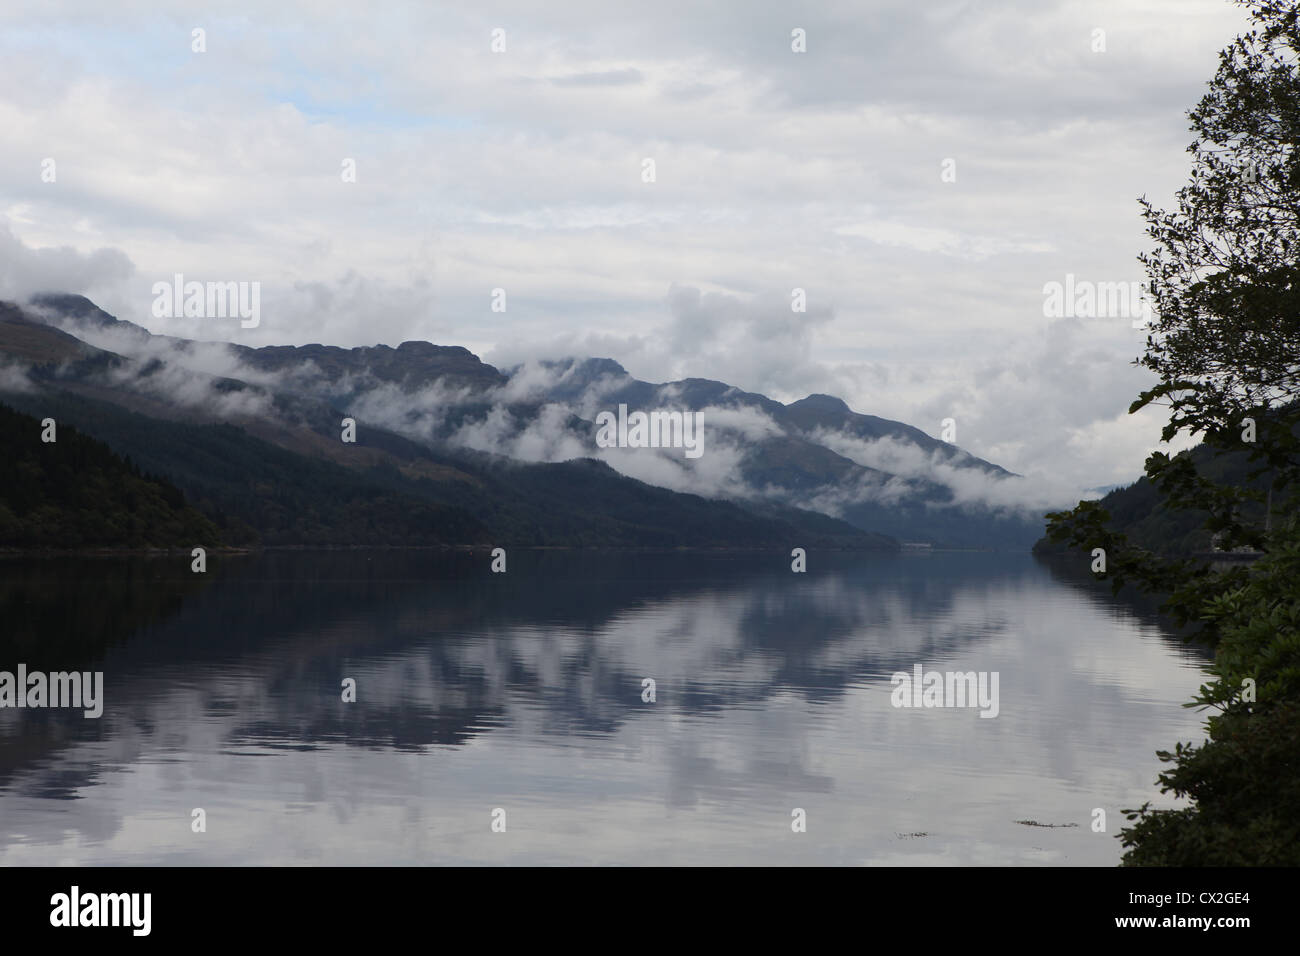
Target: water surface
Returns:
[[523, 691]]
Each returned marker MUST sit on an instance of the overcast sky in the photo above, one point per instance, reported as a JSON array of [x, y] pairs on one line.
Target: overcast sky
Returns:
[[523, 170]]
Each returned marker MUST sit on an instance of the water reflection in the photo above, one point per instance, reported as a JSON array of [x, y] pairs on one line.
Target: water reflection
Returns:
[[524, 691]]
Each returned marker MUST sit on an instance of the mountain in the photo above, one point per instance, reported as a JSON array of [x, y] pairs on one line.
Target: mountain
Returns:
[[1139, 511], [817, 453], [440, 415], [265, 471]]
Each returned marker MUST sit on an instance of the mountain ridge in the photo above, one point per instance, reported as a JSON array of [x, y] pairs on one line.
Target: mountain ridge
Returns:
[[813, 454]]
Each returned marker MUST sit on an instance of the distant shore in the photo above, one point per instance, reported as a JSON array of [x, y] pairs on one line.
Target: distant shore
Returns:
[[7, 552]]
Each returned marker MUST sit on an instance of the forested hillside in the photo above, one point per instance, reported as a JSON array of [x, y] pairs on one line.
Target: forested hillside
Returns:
[[75, 492]]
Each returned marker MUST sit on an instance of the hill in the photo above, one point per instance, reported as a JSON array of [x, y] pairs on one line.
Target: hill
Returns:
[[75, 492]]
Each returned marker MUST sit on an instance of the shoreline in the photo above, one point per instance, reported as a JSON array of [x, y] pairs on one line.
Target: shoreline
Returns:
[[628, 549]]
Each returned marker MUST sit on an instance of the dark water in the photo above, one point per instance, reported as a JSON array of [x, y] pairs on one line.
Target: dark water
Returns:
[[523, 692]]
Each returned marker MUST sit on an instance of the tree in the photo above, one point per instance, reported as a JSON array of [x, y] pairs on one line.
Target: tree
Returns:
[[1225, 348]]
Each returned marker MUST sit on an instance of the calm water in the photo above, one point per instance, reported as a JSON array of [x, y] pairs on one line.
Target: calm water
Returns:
[[523, 691]]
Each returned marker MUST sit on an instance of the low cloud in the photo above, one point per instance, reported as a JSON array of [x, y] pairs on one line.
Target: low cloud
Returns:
[[13, 378], [969, 485], [525, 419]]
